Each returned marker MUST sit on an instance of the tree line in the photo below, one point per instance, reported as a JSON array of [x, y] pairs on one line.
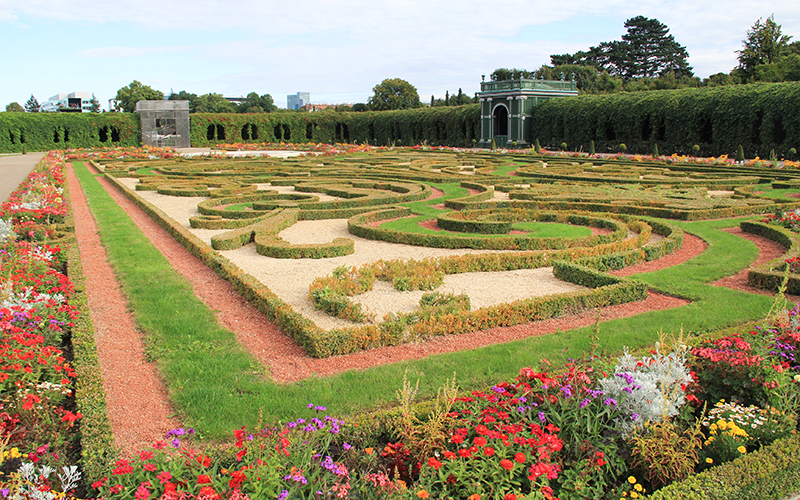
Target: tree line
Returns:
[[649, 58]]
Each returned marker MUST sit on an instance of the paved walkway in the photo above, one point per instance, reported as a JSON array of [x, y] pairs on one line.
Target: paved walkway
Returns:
[[14, 168]]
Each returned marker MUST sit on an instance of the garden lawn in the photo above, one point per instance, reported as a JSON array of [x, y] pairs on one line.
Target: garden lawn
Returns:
[[218, 387]]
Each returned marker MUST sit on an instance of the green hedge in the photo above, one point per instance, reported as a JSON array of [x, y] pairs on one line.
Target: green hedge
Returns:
[[441, 126], [759, 116], [773, 472], [47, 131], [360, 226], [770, 276]]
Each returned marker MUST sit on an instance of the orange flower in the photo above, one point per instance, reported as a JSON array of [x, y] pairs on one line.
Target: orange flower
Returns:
[[423, 494], [474, 496]]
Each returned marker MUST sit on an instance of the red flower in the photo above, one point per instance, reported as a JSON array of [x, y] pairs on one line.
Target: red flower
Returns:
[[506, 464], [432, 462], [203, 479], [488, 451], [520, 457], [510, 496]]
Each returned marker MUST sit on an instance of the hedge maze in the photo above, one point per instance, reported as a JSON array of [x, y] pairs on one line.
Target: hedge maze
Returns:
[[488, 208]]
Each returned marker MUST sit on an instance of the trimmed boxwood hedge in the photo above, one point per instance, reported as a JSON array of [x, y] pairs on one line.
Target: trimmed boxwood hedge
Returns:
[[770, 276], [319, 343], [773, 472], [759, 116], [47, 131]]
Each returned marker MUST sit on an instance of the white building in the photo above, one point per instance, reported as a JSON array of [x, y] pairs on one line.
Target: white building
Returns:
[[297, 101], [75, 100]]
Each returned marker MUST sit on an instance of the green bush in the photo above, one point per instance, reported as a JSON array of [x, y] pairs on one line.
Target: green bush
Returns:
[[760, 116], [47, 131]]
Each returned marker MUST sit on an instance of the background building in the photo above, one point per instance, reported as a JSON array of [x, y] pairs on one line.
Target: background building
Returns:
[[297, 101], [76, 100]]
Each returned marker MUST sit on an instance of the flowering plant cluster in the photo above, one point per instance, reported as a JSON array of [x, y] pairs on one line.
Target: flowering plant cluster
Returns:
[[789, 220], [300, 459], [37, 418], [116, 153], [651, 388]]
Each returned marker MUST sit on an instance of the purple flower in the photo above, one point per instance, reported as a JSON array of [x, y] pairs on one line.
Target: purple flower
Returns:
[[320, 408], [498, 390], [567, 392], [283, 495], [635, 417], [609, 402], [176, 443], [585, 402], [309, 428], [346, 446], [5, 492], [291, 425], [523, 399], [542, 417], [627, 389]]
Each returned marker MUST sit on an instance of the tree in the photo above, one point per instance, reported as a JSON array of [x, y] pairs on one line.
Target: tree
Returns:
[[129, 95], [184, 96], [213, 103], [394, 93], [257, 104], [14, 107], [652, 51], [647, 50], [95, 105], [32, 105], [765, 44]]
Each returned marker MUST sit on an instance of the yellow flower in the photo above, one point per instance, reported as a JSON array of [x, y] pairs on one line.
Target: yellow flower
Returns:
[[709, 460], [634, 494], [742, 449], [637, 487], [631, 479]]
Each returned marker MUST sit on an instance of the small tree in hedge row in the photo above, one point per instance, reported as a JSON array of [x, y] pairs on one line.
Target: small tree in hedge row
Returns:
[[592, 151], [655, 150], [739, 154]]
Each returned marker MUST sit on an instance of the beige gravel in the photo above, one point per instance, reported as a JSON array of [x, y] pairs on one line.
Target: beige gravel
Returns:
[[290, 278]]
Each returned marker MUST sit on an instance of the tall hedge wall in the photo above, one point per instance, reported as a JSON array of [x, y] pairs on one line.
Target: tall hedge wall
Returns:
[[759, 116], [46, 131], [445, 126]]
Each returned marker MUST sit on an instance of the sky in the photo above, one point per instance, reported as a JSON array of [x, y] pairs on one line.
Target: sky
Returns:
[[337, 50]]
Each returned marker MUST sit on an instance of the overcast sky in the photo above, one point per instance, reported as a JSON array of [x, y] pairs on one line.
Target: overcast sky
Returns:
[[336, 50]]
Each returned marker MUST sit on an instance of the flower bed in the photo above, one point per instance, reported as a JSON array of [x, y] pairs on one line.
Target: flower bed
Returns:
[[39, 446]]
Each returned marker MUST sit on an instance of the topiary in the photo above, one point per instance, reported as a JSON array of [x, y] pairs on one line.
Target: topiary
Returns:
[[493, 146], [592, 151], [791, 153], [623, 147], [536, 146], [655, 151], [696, 149], [563, 146], [739, 154]]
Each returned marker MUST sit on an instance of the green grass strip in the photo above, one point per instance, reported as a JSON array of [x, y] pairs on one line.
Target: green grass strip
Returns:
[[217, 387]]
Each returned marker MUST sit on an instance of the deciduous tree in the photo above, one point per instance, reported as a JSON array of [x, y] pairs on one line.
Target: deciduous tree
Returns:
[[14, 107], [394, 93], [213, 103], [129, 95]]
